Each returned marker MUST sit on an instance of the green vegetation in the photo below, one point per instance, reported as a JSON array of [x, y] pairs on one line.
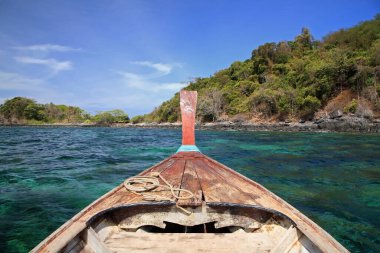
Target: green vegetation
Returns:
[[20, 110], [108, 117], [351, 107], [137, 119], [289, 79]]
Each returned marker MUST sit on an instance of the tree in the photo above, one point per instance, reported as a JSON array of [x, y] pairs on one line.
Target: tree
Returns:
[[283, 52], [103, 118], [308, 106], [119, 116], [13, 110], [363, 77], [109, 117], [35, 112], [53, 112], [264, 101], [246, 87], [210, 105], [304, 41], [137, 119]]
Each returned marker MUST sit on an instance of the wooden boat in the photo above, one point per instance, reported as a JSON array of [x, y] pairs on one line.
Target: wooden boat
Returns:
[[189, 203]]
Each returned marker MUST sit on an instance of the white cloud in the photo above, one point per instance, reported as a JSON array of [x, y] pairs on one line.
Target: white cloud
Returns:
[[47, 48], [145, 90], [171, 86], [162, 68], [53, 64], [141, 82], [147, 82]]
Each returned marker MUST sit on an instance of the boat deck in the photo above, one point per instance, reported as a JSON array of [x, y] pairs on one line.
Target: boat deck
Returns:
[[211, 182], [190, 242]]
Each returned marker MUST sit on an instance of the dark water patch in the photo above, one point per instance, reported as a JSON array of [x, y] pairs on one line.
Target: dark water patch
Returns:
[[12, 160], [66, 157]]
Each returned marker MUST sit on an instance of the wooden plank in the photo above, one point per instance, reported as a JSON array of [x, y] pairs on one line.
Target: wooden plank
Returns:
[[191, 183], [298, 248], [188, 104], [172, 174], [171, 171], [72, 245], [78, 248], [219, 188], [160, 167], [308, 245], [189, 242], [105, 228], [274, 228], [94, 243], [233, 180], [287, 241]]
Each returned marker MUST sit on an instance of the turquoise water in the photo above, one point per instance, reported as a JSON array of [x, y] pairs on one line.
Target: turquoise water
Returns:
[[49, 174]]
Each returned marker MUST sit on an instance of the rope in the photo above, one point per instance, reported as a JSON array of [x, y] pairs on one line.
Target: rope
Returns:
[[142, 184]]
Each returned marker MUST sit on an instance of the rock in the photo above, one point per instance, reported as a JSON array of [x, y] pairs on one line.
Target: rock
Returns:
[[320, 120], [343, 123], [349, 124], [335, 114]]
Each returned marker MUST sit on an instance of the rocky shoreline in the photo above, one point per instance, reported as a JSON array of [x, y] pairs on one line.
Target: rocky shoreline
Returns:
[[342, 124], [339, 124]]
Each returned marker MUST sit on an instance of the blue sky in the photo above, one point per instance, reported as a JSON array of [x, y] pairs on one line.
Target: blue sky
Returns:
[[133, 55]]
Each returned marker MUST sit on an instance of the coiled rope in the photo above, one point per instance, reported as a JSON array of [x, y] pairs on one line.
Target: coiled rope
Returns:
[[141, 185]]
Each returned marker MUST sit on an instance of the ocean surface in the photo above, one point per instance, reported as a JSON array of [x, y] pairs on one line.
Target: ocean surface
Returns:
[[49, 174]]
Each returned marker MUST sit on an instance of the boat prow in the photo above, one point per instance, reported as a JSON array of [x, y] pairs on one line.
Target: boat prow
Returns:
[[226, 212]]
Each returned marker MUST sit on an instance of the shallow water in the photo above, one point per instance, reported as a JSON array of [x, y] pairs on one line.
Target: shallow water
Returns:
[[49, 174]]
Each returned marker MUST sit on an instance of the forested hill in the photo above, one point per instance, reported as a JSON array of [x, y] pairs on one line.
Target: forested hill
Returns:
[[21, 110], [292, 80]]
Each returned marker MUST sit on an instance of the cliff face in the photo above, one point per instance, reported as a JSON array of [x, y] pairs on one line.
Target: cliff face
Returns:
[[292, 81]]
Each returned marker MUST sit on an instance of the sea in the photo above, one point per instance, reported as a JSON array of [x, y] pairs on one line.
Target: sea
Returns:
[[48, 174]]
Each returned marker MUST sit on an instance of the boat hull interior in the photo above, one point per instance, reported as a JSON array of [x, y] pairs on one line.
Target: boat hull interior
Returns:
[[212, 227]]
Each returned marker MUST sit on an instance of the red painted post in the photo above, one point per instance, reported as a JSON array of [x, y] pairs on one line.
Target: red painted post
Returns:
[[188, 103]]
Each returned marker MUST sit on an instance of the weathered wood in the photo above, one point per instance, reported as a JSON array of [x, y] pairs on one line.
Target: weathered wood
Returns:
[[173, 176], [274, 228], [73, 246], [160, 167], [191, 242], [188, 103], [287, 241], [219, 188], [105, 228], [191, 183], [308, 245], [94, 243]]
